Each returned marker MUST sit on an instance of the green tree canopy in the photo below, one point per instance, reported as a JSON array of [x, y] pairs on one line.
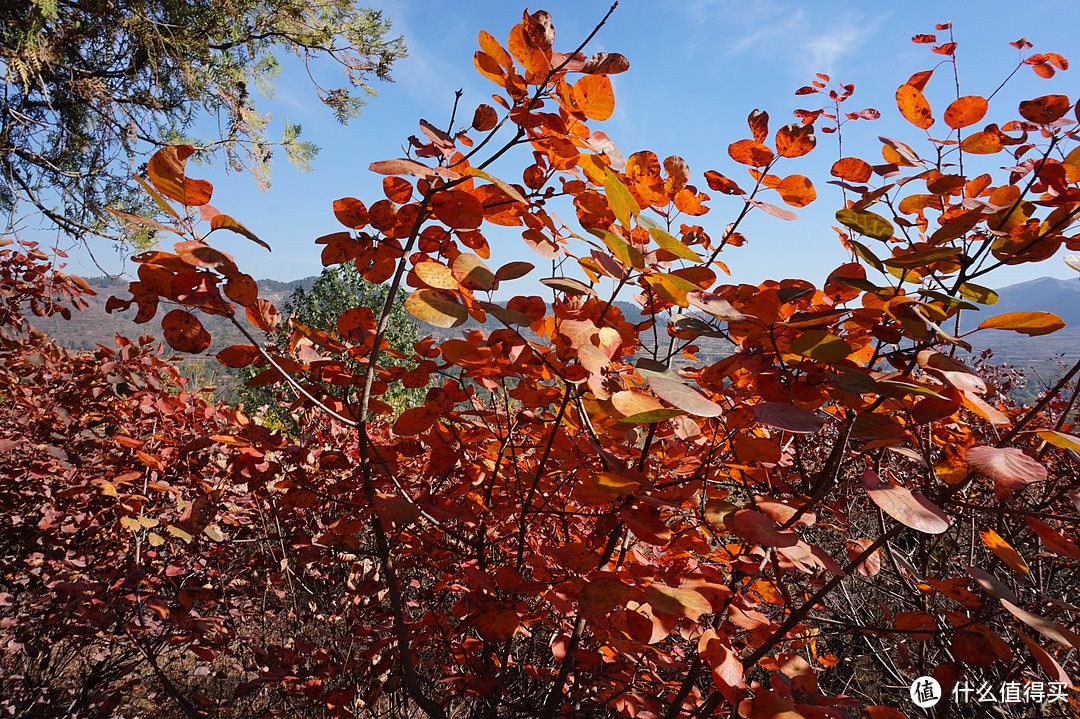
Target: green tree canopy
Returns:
[[89, 84], [335, 291]]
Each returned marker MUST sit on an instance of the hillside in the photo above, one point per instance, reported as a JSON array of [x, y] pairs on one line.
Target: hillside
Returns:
[[1044, 354]]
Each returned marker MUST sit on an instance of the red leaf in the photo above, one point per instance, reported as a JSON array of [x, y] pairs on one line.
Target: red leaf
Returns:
[[788, 417], [1008, 467], [351, 212], [184, 332], [905, 506]]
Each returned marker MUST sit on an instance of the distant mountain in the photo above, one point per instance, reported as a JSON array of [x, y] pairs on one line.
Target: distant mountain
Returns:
[[96, 326], [1044, 353], [1062, 297]]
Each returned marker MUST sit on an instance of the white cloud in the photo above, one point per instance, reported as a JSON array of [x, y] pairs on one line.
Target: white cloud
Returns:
[[814, 42]]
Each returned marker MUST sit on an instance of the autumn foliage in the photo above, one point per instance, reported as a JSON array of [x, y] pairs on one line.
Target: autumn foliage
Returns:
[[582, 518]]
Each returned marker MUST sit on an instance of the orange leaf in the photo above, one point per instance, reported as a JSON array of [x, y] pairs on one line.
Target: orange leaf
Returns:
[[914, 106], [797, 190], [1028, 323], [263, 315], [920, 626], [965, 111], [595, 97], [905, 506], [224, 222], [722, 184], [795, 140], [166, 171], [852, 169], [238, 355], [436, 307], [1054, 540], [759, 124], [458, 210], [1004, 551], [396, 189], [750, 152]]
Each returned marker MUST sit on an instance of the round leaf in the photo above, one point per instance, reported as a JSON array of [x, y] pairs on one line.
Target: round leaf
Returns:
[[965, 111], [437, 308], [184, 332], [1008, 467]]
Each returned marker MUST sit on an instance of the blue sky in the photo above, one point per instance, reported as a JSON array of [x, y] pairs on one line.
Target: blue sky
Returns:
[[697, 69]]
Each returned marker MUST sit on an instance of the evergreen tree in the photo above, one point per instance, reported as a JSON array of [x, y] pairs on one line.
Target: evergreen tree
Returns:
[[89, 85]]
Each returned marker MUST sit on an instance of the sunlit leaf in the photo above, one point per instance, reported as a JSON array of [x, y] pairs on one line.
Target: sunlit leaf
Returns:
[[619, 198], [797, 191], [909, 508], [1008, 467], [914, 106], [867, 223], [436, 307], [852, 169], [673, 245], [750, 152], [1028, 323], [1004, 551], [1060, 439], [684, 397], [166, 170], [1050, 630], [568, 285], [795, 140], [965, 111], [224, 222], [676, 601], [594, 96], [1046, 109]]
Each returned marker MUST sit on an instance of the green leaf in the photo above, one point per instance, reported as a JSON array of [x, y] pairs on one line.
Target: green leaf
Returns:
[[922, 257], [977, 293], [867, 256], [821, 346], [624, 252], [673, 245], [867, 223], [656, 415], [620, 200]]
